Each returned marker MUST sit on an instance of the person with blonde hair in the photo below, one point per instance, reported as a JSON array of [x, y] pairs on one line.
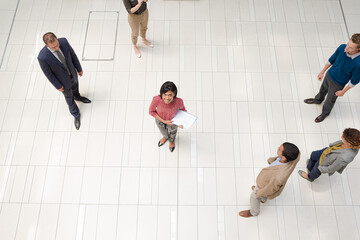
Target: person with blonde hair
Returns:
[[344, 73], [334, 158]]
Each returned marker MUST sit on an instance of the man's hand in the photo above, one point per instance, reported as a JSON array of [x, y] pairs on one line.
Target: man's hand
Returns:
[[80, 73], [61, 89], [340, 93], [320, 76]]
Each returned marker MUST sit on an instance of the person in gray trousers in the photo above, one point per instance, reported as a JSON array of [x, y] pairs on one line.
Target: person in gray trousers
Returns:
[[334, 158]]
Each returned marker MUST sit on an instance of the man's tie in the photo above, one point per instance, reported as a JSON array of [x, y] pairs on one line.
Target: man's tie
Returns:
[[62, 59]]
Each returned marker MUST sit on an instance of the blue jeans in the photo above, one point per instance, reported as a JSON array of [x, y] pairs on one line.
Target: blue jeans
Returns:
[[313, 164]]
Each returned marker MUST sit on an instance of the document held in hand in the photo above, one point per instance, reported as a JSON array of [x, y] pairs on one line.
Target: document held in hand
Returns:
[[184, 118]]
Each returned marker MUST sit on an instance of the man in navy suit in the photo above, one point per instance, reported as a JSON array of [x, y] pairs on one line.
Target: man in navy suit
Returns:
[[61, 66]]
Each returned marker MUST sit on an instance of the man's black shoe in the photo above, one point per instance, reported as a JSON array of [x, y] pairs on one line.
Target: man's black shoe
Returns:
[[83, 99], [77, 123], [320, 118], [310, 101]]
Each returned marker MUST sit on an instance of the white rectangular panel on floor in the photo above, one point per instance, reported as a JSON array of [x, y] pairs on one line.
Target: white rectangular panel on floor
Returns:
[[100, 39]]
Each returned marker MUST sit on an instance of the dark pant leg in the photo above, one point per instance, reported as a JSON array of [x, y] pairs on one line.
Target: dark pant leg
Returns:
[[69, 97], [331, 97], [323, 89], [314, 164], [75, 88]]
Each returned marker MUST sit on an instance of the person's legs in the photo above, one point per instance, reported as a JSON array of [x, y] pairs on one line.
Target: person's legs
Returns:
[[144, 24], [255, 202], [172, 130], [163, 128], [75, 88], [314, 157], [314, 173], [134, 22], [323, 89], [331, 97], [69, 97]]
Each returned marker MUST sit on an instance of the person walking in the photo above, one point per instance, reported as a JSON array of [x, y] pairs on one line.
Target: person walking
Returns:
[[334, 158]]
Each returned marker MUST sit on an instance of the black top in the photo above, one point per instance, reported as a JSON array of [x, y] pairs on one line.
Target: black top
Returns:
[[132, 3]]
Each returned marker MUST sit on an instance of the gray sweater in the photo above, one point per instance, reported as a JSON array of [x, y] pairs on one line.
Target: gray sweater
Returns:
[[337, 160]]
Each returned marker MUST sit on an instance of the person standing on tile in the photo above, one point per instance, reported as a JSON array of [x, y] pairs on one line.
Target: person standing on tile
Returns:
[[138, 21], [61, 66], [344, 73], [164, 108], [334, 158], [272, 179]]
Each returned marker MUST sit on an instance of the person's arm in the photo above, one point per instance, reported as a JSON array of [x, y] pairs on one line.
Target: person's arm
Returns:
[[328, 64], [355, 79], [321, 74], [335, 166], [50, 76], [75, 60], [271, 188], [271, 159], [341, 93], [130, 9], [182, 107], [152, 111]]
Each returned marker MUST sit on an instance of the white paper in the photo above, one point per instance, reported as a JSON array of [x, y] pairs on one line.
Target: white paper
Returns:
[[184, 118]]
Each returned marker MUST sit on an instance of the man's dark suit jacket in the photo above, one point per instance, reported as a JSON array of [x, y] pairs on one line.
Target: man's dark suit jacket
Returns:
[[54, 70]]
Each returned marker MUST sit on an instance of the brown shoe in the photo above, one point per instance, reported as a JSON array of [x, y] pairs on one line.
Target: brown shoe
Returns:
[[310, 101], [320, 118], [245, 214]]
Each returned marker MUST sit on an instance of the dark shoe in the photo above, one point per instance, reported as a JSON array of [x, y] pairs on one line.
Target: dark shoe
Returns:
[[320, 118], [77, 123], [160, 144], [83, 99], [311, 101], [172, 149], [245, 214]]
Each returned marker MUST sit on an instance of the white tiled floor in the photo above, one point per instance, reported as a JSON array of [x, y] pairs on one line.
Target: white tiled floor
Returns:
[[242, 66]]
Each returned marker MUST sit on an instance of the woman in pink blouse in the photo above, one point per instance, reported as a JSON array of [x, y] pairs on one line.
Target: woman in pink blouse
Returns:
[[163, 108]]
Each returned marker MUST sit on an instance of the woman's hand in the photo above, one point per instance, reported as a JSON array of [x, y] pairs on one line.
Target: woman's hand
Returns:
[[168, 122], [181, 126]]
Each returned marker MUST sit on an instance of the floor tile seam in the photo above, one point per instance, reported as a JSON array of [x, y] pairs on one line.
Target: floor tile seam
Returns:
[[344, 18], [174, 204], [10, 30], [188, 132], [151, 167]]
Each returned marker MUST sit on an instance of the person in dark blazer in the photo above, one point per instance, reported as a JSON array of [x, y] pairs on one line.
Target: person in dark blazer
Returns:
[[334, 158], [61, 66]]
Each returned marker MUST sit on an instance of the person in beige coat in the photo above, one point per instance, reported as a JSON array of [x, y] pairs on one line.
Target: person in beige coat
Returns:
[[272, 179]]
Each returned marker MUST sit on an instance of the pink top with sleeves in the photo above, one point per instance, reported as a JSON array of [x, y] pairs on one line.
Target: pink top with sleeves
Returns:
[[166, 111]]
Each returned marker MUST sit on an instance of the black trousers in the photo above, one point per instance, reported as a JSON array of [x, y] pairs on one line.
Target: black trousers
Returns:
[[328, 87], [70, 96]]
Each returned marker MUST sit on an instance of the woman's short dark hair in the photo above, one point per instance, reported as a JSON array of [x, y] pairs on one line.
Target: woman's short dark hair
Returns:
[[291, 151], [168, 86], [352, 136]]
